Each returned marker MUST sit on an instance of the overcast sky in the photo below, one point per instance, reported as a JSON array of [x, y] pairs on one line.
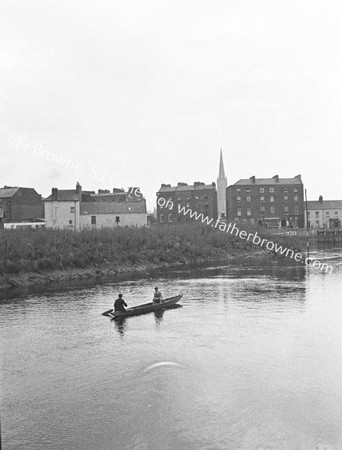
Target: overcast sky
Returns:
[[139, 93]]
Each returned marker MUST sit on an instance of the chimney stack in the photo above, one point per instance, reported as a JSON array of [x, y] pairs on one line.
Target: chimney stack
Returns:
[[276, 178], [252, 179], [54, 194]]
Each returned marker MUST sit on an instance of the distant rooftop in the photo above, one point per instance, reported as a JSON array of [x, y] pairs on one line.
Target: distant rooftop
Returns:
[[65, 195], [268, 181], [7, 192], [325, 204], [186, 187]]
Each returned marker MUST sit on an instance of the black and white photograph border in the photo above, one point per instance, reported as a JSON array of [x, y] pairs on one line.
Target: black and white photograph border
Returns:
[[170, 224]]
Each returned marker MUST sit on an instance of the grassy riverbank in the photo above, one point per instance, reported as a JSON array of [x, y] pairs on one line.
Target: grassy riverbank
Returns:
[[46, 252]]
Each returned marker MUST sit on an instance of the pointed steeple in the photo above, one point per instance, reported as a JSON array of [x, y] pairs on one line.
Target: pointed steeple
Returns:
[[221, 169], [221, 189]]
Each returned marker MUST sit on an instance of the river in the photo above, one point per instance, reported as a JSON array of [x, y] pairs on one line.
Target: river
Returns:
[[252, 360]]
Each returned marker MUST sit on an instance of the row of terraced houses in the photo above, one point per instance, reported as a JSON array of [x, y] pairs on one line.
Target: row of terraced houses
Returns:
[[264, 202]]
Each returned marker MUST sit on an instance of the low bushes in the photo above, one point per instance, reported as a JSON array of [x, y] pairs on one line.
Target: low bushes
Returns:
[[46, 249]]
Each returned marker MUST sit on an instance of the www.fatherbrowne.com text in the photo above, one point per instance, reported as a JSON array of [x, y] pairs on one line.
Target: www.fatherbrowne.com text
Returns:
[[232, 229]]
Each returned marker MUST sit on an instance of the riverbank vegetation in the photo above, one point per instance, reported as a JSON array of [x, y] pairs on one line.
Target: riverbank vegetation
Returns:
[[45, 249]]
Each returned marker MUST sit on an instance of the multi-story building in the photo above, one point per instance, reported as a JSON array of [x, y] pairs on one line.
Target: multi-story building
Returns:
[[325, 213], [199, 197], [77, 209], [270, 202], [19, 204]]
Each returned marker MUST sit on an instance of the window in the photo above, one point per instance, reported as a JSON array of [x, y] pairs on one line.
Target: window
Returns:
[[239, 212], [317, 214], [238, 198], [262, 198], [252, 221], [161, 218], [248, 189], [272, 190], [295, 190], [296, 210], [248, 198], [238, 190], [286, 190], [262, 209], [286, 198], [72, 209], [93, 220], [336, 212], [70, 222], [188, 205], [262, 190], [327, 213], [272, 209], [170, 217], [271, 198], [244, 220], [286, 209], [295, 198], [117, 220], [249, 212]]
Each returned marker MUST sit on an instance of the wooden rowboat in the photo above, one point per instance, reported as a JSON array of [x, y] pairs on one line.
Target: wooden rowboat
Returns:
[[144, 309]]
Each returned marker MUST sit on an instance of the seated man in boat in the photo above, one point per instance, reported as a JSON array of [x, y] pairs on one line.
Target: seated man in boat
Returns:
[[119, 304], [157, 297]]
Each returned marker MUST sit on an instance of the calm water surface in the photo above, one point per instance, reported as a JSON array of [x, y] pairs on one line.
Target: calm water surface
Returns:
[[253, 360]]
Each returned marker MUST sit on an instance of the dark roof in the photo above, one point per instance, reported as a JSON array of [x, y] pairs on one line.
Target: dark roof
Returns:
[[268, 181], [185, 188], [130, 207], [325, 204], [64, 195], [8, 192], [110, 197]]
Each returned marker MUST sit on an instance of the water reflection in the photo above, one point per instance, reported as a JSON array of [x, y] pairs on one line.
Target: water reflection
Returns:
[[252, 361], [120, 325], [158, 315]]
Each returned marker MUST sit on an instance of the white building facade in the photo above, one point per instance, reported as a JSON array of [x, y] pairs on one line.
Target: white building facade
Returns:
[[76, 210], [325, 213]]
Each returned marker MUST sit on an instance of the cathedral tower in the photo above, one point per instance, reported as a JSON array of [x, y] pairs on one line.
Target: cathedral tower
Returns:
[[221, 189]]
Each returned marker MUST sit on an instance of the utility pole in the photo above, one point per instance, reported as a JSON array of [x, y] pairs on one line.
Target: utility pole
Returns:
[[307, 226]]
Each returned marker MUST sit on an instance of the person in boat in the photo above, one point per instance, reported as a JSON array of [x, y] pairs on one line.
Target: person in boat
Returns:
[[119, 304], [157, 297]]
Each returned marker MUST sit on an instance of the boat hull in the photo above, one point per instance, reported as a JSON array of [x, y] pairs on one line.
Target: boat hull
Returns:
[[144, 309]]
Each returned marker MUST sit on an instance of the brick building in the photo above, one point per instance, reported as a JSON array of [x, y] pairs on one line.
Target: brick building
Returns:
[[199, 197], [19, 204], [270, 202]]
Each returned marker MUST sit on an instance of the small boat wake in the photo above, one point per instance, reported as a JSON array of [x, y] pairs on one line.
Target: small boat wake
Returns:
[[162, 364]]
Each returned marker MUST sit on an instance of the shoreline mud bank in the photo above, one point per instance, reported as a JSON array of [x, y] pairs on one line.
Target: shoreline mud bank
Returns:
[[29, 282]]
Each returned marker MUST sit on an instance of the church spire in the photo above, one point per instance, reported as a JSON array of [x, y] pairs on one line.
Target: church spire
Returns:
[[221, 189], [221, 169]]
